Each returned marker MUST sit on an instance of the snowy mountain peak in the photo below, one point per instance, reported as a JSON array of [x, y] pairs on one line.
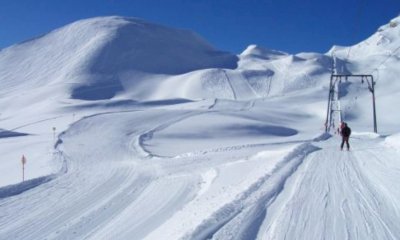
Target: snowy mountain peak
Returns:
[[392, 24], [87, 58], [260, 52], [383, 42], [136, 44]]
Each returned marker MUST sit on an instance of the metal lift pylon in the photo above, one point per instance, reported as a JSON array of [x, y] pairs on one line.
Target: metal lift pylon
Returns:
[[333, 109]]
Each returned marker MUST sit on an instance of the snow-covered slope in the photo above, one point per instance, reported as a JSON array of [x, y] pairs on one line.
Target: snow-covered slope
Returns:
[[378, 55], [87, 59], [132, 130], [103, 58], [274, 73], [383, 42]]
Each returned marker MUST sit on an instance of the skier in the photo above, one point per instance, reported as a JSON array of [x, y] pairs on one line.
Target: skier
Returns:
[[340, 128], [346, 131]]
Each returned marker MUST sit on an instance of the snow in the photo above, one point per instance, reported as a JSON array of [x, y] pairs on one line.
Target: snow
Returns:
[[393, 140], [133, 130], [348, 196]]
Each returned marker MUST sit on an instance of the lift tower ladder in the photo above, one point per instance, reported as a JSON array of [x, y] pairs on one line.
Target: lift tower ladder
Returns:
[[334, 111]]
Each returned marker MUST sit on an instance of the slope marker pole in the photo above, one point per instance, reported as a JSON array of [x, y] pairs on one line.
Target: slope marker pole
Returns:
[[23, 161]]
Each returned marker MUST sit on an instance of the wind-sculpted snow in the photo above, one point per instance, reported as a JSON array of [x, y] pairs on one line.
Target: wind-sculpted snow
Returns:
[[215, 129], [111, 57], [146, 47], [89, 59], [130, 59], [393, 140]]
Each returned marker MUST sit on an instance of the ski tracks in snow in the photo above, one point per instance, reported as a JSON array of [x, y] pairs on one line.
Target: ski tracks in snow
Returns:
[[241, 218], [332, 196], [314, 192], [100, 187], [239, 85]]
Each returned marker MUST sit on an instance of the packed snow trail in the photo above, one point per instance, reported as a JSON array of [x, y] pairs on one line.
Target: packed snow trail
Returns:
[[333, 195], [115, 189], [329, 194], [98, 186], [240, 86]]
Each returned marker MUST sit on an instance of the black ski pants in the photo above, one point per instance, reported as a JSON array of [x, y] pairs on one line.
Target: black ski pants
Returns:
[[345, 140]]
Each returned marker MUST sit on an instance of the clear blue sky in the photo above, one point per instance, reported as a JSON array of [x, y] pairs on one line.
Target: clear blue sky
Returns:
[[287, 25]]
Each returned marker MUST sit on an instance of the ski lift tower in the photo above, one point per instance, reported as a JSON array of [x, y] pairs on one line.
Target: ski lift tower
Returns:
[[333, 97]]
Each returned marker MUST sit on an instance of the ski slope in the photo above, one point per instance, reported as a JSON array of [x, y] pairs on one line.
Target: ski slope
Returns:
[[349, 194], [127, 138], [114, 187]]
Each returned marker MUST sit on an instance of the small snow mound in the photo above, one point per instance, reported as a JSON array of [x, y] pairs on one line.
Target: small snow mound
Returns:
[[366, 135], [393, 140], [260, 52], [294, 58], [335, 48]]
